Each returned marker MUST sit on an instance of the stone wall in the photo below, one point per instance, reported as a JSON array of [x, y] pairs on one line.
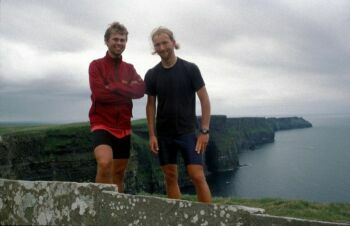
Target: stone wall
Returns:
[[71, 203]]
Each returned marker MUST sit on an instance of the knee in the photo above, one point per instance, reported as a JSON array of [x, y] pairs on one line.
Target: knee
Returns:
[[197, 177]]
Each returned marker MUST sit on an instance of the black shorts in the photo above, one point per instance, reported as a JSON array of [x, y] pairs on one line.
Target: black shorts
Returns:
[[185, 144], [120, 146]]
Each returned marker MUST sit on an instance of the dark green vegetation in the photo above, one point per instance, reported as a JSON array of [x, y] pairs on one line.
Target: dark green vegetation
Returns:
[[64, 152], [332, 212], [11, 128], [46, 152]]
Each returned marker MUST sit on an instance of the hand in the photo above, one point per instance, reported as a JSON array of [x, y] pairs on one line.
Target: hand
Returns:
[[133, 82], [153, 144], [130, 83], [202, 142]]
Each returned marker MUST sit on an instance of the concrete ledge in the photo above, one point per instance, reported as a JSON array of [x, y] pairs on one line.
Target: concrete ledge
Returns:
[[67, 203]]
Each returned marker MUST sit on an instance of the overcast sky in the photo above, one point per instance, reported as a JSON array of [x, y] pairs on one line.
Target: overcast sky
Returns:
[[258, 58]]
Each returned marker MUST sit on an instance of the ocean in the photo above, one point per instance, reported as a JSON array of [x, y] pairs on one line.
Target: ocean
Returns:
[[311, 164]]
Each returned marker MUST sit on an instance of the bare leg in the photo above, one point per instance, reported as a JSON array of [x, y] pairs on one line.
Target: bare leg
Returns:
[[171, 181], [197, 176], [104, 156], [119, 167]]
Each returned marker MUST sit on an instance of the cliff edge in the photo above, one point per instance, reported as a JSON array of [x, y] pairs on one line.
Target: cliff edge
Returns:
[[64, 153]]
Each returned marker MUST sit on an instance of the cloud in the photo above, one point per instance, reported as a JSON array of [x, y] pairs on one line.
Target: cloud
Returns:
[[257, 58], [42, 27]]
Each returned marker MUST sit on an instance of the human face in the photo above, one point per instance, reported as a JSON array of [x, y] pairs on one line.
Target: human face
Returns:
[[164, 46], [116, 44]]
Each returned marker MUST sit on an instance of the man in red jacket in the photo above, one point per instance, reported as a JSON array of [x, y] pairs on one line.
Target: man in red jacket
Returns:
[[113, 83]]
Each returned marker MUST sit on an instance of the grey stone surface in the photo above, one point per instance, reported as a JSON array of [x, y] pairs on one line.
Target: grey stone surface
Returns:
[[70, 203]]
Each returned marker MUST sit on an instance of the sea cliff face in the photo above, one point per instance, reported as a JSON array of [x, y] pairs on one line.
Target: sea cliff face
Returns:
[[64, 153]]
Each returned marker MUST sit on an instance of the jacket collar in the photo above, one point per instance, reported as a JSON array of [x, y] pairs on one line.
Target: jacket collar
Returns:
[[113, 60]]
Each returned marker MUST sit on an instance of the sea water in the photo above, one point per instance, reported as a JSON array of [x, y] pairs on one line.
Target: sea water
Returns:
[[311, 164]]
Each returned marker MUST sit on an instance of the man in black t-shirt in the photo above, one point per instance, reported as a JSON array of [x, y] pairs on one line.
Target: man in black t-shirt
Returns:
[[174, 83]]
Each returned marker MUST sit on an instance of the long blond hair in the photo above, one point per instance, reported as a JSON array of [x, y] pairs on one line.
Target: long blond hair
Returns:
[[164, 30]]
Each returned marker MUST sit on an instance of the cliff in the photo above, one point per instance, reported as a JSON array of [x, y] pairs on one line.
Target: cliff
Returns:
[[64, 153], [288, 123]]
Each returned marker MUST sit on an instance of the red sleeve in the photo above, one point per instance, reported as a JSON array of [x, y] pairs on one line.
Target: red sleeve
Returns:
[[133, 87], [98, 86]]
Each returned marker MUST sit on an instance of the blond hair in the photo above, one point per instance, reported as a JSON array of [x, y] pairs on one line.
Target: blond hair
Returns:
[[164, 30]]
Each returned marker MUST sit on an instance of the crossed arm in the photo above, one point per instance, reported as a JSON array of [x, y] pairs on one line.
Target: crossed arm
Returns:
[[111, 91]]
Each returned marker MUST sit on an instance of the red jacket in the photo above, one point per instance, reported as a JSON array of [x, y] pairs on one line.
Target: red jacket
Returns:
[[112, 92]]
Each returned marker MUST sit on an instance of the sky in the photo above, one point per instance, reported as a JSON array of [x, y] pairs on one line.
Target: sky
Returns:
[[257, 58]]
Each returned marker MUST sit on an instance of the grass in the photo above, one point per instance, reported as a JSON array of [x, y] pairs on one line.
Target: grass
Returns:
[[5, 129], [139, 122], [332, 212]]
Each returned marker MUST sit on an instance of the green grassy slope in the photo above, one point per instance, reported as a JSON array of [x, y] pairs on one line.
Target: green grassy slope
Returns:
[[335, 212]]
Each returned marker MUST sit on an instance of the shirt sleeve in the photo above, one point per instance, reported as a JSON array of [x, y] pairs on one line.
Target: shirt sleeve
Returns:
[[98, 86], [133, 89], [196, 77]]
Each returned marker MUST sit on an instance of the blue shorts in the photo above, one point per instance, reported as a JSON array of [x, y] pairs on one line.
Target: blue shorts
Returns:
[[120, 146], [169, 146]]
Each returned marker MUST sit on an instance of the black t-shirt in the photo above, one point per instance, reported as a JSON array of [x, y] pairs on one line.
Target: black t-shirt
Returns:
[[175, 89]]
